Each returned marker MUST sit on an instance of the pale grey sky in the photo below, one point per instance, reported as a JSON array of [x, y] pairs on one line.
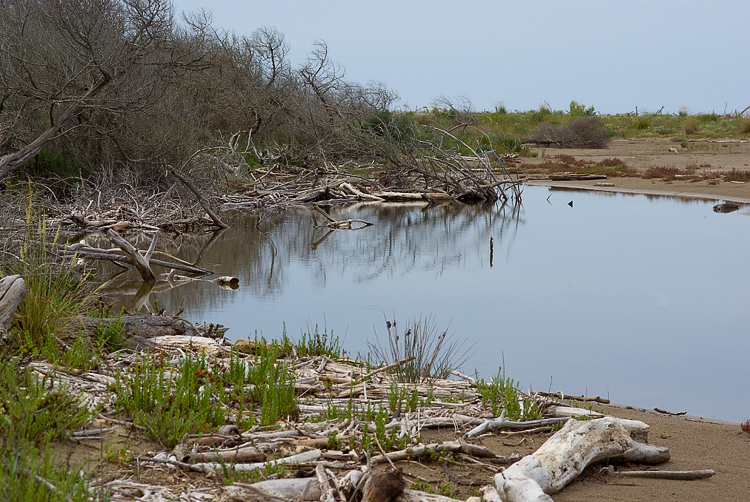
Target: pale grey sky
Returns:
[[613, 54]]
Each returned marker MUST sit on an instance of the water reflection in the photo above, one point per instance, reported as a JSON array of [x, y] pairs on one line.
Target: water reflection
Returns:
[[639, 299]]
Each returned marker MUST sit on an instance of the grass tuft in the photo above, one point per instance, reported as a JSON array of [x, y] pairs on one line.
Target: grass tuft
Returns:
[[436, 353], [54, 291], [501, 393]]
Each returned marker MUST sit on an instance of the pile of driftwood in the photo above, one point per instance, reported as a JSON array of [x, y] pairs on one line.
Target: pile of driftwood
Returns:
[[329, 470]]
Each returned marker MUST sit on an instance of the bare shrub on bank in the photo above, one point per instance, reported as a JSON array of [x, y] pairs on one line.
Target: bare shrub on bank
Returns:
[[584, 132]]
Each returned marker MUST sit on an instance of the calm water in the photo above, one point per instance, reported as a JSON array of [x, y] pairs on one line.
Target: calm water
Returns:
[[642, 300]]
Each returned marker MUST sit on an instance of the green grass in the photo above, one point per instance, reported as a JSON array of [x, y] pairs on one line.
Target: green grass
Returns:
[[500, 393], [32, 418], [170, 403], [54, 291], [31, 412], [29, 474], [195, 397]]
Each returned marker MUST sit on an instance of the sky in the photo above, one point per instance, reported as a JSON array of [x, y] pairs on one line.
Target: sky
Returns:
[[614, 55]]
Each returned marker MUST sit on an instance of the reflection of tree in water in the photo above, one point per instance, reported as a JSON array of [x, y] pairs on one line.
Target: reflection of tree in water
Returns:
[[262, 251], [405, 237]]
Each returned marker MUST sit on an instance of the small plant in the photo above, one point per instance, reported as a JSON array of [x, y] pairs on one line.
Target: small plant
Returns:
[[501, 393], [690, 125], [435, 353], [580, 110], [272, 384], [30, 412], [396, 396], [746, 426], [110, 336], [171, 403], [315, 343], [30, 473]]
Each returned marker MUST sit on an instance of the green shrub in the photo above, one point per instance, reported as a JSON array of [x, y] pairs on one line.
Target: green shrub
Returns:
[[32, 413], [54, 291], [501, 394], [170, 403]]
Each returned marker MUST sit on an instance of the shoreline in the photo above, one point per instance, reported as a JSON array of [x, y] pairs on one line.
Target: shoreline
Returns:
[[727, 192]]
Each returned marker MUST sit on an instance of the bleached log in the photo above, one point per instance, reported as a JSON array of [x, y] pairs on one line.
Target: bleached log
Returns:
[[140, 261], [570, 411], [489, 494], [140, 325], [678, 475], [303, 490], [324, 484], [501, 422], [300, 458], [567, 453], [359, 193], [246, 454], [421, 450], [209, 346], [273, 490], [12, 291]]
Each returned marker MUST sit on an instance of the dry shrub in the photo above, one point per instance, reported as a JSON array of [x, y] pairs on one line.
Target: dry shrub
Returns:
[[570, 160], [585, 132], [744, 126], [590, 133], [690, 126], [668, 173], [612, 162]]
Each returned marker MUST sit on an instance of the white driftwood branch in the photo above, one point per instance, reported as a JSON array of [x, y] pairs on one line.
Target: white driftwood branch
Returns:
[[304, 490], [359, 193], [502, 423], [300, 458], [141, 262], [679, 475], [567, 453]]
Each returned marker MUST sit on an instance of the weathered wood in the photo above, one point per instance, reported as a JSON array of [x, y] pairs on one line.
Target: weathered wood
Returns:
[[116, 255], [140, 261], [303, 490], [567, 453], [201, 200], [298, 459], [576, 177], [502, 423], [678, 475], [141, 325], [12, 291], [237, 455]]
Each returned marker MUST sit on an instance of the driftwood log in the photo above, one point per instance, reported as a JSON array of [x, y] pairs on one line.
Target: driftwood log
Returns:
[[576, 176], [12, 291], [565, 455], [140, 261], [141, 325], [303, 490]]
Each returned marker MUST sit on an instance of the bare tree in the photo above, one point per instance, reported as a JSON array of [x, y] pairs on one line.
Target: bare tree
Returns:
[[84, 75]]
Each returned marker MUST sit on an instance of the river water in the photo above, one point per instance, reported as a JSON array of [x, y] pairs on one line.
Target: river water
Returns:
[[639, 299]]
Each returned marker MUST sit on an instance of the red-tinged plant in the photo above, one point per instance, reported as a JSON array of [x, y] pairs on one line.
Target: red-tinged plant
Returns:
[[746, 426]]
